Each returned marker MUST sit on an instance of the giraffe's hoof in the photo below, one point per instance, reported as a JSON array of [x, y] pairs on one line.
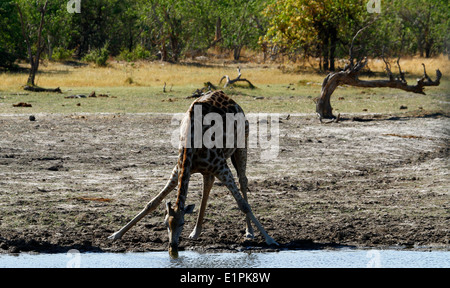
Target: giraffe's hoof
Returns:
[[194, 235], [115, 236], [249, 235], [270, 242]]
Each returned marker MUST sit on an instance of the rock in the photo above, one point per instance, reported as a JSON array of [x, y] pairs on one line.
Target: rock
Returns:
[[75, 96], [56, 167]]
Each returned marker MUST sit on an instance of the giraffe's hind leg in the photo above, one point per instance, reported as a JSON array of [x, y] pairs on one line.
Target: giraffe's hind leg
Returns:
[[171, 184], [239, 160], [208, 181]]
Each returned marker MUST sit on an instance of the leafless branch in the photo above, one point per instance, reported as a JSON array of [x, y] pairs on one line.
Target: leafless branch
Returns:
[[232, 81]]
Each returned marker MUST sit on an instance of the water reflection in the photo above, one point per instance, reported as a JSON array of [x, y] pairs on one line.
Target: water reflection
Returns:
[[219, 260], [188, 259]]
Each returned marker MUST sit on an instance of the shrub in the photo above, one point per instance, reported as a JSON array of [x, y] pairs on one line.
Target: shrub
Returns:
[[7, 59], [138, 53], [61, 54], [98, 56]]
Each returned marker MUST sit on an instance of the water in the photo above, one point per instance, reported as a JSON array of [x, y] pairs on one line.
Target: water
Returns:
[[345, 258]]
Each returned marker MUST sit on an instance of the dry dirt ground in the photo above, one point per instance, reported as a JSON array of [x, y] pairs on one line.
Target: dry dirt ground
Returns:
[[69, 181]]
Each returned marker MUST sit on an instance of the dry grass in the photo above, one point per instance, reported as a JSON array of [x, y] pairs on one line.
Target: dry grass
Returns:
[[151, 74], [138, 87], [155, 74], [413, 65]]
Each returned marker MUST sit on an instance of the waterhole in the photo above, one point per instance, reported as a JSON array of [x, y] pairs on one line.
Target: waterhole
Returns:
[[344, 258]]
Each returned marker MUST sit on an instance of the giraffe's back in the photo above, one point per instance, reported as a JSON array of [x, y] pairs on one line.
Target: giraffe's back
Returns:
[[219, 102], [209, 155]]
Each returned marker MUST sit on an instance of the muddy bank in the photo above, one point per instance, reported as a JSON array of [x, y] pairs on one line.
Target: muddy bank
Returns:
[[69, 181]]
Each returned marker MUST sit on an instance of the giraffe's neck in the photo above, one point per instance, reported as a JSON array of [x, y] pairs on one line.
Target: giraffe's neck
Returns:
[[184, 173], [186, 152]]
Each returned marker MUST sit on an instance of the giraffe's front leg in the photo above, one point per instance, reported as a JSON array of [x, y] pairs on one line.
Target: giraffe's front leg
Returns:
[[239, 160], [208, 181], [152, 205], [226, 177]]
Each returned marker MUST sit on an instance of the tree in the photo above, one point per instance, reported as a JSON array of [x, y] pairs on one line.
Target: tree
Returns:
[[314, 26], [428, 22], [97, 24], [10, 35], [410, 27], [349, 76], [35, 20], [164, 27], [27, 31], [57, 32], [241, 24]]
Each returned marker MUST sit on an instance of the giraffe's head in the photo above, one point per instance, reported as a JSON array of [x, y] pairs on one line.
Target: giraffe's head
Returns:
[[175, 221]]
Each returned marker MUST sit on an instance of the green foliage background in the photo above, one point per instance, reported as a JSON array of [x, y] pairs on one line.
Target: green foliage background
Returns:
[[172, 29]]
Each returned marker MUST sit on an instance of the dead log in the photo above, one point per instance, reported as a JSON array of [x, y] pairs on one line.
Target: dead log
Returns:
[[22, 104], [232, 81], [207, 87], [40, 89], [349, 76]]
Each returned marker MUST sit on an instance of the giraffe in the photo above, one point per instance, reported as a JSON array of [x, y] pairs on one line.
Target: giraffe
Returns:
[[211, 163]]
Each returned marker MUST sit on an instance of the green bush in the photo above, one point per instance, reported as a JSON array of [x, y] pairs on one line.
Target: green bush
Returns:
[[138, 53], [98, 56], [61, 54], [6, 59]]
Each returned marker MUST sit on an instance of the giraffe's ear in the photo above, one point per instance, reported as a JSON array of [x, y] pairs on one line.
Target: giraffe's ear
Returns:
[[189, 209]]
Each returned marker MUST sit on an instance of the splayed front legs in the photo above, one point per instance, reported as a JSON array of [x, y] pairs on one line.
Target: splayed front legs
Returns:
[[226, 177], [152, 205]]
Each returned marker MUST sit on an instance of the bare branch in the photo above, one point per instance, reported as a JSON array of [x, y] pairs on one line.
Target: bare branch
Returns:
[[231, 82], [400, 72], [350, 52], [25, 35]]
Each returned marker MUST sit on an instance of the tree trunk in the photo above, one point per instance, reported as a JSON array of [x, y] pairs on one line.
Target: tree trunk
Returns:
[[163, 50], [325, 57], [325, 51], [50, 46], [130, 40], [218, 33], [349, 76], [428, 46], [33, 71], [174, 45], [420, 46], [237, 52], [333, 43]]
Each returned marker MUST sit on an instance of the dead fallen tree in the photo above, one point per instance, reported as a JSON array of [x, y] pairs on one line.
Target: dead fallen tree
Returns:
[[207, 87], [349, 76], [232, 81], [40, 89]]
